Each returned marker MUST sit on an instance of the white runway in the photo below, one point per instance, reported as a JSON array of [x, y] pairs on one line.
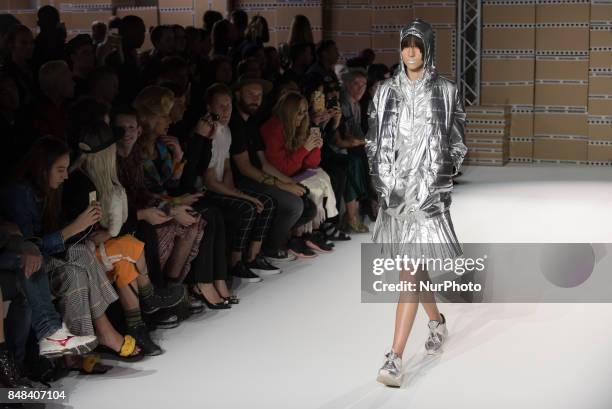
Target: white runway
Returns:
[[302, 339]]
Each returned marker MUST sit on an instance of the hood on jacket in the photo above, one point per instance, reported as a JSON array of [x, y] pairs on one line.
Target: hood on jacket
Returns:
[[423, 30]]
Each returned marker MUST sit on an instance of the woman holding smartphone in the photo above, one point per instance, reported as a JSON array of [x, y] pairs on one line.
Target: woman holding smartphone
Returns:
[[294, 148]]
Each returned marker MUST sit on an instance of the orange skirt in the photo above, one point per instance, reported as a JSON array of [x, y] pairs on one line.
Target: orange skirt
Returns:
[[119, 255]]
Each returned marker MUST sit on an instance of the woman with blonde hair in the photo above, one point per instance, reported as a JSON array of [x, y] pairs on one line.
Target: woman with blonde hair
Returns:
[[294, 148], [121, 255], [163, 167]]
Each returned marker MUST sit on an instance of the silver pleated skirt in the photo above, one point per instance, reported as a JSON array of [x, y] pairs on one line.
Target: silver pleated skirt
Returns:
[[417, 236]]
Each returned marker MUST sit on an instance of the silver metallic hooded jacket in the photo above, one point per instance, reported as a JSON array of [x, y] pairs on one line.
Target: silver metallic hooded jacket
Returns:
[[415, 138]]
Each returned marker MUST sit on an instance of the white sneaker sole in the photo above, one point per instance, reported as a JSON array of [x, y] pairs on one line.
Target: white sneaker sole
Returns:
[[266, 272], [77, 350], [387, 379], [275, 261]]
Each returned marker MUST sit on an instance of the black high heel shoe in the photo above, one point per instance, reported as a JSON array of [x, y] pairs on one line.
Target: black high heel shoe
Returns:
[[232, 299], [223, 305]]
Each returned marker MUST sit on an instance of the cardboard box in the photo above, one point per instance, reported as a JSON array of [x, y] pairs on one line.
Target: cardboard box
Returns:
[[599, 38], [508, 38], [184, 18], [562, 68], [520, 150], [507, 93], [164, 4], [563, 11], [560, 124], [20, 5], [442, 13], [387, 16], [600, 128], [600, 84], [600, 104], [599, 152], [353, 44], [493, 13], [285, 15], [546, 149], [560, 37], [445, 50], [521, 123], [564, 94], [601, 59], [507, 69], [601, 10]]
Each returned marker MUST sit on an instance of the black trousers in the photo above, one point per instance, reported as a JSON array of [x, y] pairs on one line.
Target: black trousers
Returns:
[[211, 262], [146, 233]]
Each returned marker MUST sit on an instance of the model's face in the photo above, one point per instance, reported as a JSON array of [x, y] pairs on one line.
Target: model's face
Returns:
[[132, 131], [412, 58], [59, 171]]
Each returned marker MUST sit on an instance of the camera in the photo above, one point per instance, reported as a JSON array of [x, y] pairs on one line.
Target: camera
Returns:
[[214, 116]]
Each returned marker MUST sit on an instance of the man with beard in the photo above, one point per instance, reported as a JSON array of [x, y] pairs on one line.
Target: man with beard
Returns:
[[251, 170]]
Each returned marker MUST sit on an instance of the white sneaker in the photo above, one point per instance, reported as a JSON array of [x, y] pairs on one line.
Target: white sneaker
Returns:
[[390, 374], [437, 335], [63, 342]]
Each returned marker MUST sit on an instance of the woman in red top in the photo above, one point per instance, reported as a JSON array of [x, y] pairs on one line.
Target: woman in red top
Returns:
[[294, 148]]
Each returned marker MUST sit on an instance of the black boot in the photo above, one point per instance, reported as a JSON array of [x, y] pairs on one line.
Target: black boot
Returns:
[[9, 374]]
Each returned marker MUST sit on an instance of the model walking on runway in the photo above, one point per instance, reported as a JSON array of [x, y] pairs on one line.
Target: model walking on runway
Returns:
[[415, 146]]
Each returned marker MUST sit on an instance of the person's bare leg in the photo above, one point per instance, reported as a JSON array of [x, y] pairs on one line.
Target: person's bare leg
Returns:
[[141, 266], [428, 301], [108, 335], [221, 287], [352, 209], [127, 298], [405, 313], [254, 250], [180, 253], [210, 292], [235, 258]]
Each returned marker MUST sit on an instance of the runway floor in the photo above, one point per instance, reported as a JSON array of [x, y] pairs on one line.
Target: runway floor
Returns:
[[303, 339]]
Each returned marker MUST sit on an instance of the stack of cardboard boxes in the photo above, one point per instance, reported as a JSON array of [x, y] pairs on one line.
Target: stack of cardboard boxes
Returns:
[[561, 81], [487, 135], [599, 148], [508, 68], [359, 24]]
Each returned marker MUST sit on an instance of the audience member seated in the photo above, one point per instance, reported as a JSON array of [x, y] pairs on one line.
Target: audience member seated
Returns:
[[77, 279], [253, 212], [81, 57], [294, 148], [252, 170], [57, 87]]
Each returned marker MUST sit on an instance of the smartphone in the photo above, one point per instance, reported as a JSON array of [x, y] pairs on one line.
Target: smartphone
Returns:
[[315, 130], [93, 197], [332, 102]]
